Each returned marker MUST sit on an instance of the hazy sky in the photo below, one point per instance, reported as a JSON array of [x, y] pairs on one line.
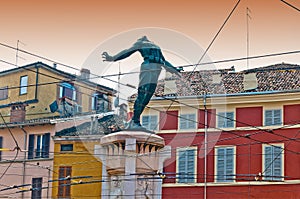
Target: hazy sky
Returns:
[[70, 30]]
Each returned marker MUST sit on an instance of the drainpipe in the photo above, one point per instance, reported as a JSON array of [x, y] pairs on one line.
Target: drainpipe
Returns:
[[25, 157], [36, 82]]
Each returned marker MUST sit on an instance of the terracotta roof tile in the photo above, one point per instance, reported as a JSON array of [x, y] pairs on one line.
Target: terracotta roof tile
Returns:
[[277, 77]]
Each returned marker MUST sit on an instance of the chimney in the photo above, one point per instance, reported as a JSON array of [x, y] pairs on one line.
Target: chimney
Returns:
[[18, 113], [170, 85], [250, 81], [85, 74]]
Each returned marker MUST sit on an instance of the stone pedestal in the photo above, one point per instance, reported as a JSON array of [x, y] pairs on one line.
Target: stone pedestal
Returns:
[[131, 163]]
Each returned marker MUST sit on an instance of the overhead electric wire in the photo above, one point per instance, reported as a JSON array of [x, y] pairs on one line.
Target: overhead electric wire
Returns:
[[17, 149], [292, 6]]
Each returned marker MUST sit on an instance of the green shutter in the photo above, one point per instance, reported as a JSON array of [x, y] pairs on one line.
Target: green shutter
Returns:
[[31, 146]]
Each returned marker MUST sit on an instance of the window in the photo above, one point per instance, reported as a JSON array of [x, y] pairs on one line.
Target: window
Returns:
[[64, 191], [23, 85], [272, 117], [38, 146], [36, 192], [66, 147], [4, 93], [225, 119], [224, 158], [273, 162], [150, 122], [67, 90], [187, 121], [186, 165], [100, 103]]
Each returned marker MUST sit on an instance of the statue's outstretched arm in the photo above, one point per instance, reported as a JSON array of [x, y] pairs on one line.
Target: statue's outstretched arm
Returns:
[[170, 68], [121, 55]]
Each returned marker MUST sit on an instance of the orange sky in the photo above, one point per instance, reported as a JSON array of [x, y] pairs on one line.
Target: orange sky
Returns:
[[69, 30]]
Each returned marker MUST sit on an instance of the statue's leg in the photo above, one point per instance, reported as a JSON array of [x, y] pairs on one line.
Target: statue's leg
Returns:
[[149, 93], [145, 93], [138, 104]]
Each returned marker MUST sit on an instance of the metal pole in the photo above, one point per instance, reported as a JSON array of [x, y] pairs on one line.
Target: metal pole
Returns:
[[48, 185], [205, 146], [25, 157]]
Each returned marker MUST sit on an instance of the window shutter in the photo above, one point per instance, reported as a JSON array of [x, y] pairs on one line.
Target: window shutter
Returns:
[[268, 118], [153, 122], [277, 117], [191, 121], [190, 165], [220, 164], [64, 191], [229, 164], [188, 121], [145, 121], [183, 122], [225, 164], [38, 146], [182, 171], [221, 120], [31, 146], [268, 162], [150, 122], [229, 119], [186, 166], [36, 192], [277, 163], [4, 92], [46, 145]]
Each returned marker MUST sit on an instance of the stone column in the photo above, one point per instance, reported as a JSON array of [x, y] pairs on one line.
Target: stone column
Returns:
[[132, 161]]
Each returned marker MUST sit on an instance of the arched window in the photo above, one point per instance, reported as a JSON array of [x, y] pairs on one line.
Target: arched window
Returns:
[[67, 90]]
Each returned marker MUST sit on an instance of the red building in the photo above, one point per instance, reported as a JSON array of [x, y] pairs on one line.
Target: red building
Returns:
[[233, 134]]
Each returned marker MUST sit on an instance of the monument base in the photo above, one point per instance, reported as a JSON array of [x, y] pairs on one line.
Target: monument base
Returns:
[[132, 160]]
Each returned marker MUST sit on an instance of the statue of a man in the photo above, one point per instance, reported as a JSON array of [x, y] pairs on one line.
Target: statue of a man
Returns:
[[150, 71]]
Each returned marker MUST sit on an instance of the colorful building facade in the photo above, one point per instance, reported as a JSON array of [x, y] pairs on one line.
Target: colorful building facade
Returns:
[[77, 173], [35, 101], [233, 134]]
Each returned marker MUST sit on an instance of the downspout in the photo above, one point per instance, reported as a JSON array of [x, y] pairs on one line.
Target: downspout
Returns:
[[36, 82], [25, 157]]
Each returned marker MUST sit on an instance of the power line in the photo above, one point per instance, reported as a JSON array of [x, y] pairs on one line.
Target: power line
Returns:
[[291, 5]]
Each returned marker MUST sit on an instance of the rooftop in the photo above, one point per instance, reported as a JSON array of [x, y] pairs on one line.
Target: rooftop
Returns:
[[279, 77]]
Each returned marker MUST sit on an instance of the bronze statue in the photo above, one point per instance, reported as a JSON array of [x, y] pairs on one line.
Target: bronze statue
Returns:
[[150, 71]]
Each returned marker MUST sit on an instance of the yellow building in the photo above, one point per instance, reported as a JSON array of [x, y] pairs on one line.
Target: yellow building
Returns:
[[77, 173], [38, 90], [33, 100]]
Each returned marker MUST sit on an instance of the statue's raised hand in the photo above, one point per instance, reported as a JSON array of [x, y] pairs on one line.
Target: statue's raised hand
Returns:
[[107, 57]]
